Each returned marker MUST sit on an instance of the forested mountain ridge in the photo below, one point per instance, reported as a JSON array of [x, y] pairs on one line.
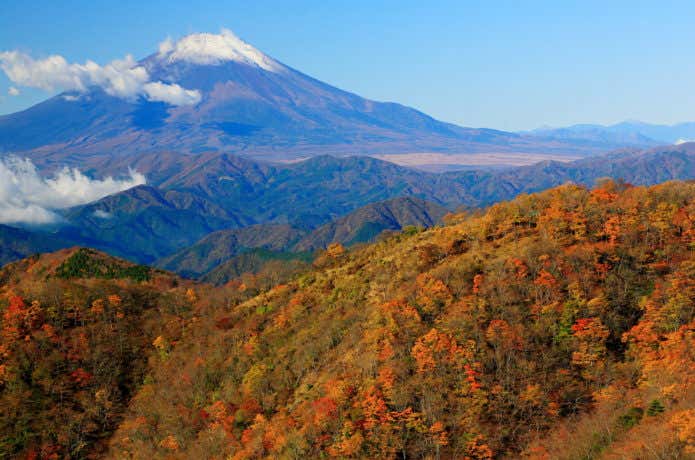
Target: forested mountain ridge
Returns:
[[485, 338], [492, 336], [366, 223], [76, 330]]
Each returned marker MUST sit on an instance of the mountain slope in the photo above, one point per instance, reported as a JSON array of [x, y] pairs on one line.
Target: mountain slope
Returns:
[[474, 340], [221, 191], [364, 224], [561, 314], [225, 191], [218, 247], [76, 333], [645, 167], [145, 223], [222, 255], [259, 268]]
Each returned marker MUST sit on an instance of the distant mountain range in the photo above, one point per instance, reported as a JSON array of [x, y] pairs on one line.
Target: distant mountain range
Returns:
[[248, 104], [306, 205], [625, 134]]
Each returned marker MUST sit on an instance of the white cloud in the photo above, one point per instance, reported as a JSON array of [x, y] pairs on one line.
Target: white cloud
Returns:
[[172, 93], [12, 91], [101, 214], [166, 46], [683, 141], [122, 78], [26, 197], [212, 49]]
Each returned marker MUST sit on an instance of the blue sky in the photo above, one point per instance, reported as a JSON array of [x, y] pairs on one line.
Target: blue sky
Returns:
[[507, 65]]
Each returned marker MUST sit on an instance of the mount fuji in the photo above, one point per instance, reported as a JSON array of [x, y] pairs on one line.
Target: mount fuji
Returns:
[[215, 93]]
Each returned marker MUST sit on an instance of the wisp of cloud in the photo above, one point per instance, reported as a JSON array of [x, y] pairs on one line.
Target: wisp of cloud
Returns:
[[27, 197], [124, 78]]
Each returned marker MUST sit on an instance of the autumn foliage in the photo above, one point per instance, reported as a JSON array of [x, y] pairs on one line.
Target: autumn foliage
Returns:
[[558, 325], [73, 351]]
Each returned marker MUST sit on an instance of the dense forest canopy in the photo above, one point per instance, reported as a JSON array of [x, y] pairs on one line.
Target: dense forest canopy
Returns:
[[557, 325]]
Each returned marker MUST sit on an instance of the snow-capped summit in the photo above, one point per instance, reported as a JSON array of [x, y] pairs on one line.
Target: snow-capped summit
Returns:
[[213, 49]]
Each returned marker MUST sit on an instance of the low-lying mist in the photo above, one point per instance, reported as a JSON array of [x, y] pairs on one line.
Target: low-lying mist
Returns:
[[28, 198]]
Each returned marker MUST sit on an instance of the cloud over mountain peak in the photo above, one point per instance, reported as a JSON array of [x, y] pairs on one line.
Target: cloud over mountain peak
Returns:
[[122, 78], [126, 78]]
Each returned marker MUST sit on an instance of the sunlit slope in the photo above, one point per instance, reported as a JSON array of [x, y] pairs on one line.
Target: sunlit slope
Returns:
[[473, 340]]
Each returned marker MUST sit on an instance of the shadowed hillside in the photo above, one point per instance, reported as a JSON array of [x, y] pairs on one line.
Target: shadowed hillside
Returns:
[[17, 243], [221, 246], [227, 254], [365, 224]]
